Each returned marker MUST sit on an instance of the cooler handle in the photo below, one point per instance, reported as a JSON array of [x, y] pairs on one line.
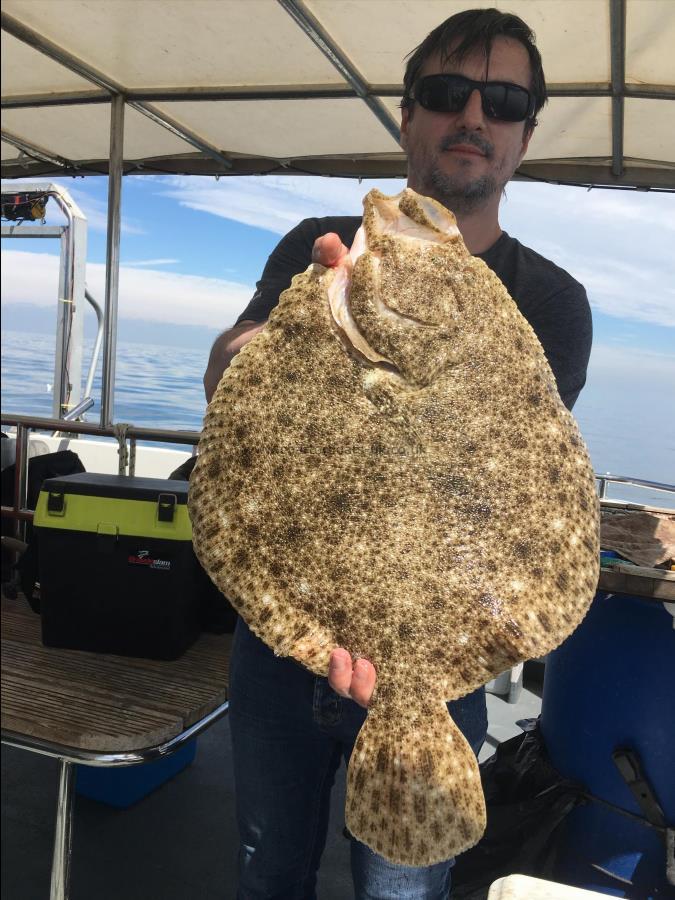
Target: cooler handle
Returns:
[[56, 503], [166, 507], [106, 537]]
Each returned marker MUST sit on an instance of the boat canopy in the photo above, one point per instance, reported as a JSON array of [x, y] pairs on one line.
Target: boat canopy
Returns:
[[232, 87]]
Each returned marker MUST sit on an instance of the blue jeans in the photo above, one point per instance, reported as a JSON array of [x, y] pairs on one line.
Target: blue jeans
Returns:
[[290, 731]]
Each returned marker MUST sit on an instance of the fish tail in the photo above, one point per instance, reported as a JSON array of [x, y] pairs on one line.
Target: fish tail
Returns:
[[414, 793]]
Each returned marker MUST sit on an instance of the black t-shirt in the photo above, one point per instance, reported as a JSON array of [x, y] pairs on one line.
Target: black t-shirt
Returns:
[[551, 300]]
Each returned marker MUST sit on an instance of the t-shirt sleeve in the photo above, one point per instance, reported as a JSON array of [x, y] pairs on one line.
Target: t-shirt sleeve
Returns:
[[564, 326], [291, 256]]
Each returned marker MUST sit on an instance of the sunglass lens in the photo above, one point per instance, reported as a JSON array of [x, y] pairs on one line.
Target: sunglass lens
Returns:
[[506, 102], [443, 95], [449, 93]]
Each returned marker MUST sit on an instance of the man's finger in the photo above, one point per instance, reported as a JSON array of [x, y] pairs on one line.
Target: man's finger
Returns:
[[340, 672], [363, 682], [328, 250]]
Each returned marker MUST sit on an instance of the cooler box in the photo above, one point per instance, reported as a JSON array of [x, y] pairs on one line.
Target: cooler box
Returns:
[[122, 787], [117, 570]]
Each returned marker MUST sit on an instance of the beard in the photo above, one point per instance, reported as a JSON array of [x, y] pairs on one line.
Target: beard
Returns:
[[459, 193]]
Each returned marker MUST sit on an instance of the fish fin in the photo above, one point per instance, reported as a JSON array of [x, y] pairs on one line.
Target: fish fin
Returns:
[[414, 793]]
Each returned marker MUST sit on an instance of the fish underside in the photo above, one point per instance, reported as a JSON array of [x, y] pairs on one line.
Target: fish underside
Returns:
[[388, 467]]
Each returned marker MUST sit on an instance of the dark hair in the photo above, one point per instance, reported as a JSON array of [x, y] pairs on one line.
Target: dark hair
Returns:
[[470, 30]]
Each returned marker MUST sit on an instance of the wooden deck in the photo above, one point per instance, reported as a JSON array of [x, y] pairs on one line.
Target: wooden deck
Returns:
[[99, 702]]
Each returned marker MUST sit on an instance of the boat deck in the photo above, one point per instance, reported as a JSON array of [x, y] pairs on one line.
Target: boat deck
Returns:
[[179, 843]]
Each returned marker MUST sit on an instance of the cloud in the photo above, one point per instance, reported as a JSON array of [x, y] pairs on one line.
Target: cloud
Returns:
[[632, 363], [609, 208], [632, 210], [627, 291], [149, 294], [136, 263], [96, 211], [274, 203], [613, 242], [616, 243]]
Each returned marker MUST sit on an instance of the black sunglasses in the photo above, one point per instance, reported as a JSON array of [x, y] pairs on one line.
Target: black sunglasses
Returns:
[[450, 94]]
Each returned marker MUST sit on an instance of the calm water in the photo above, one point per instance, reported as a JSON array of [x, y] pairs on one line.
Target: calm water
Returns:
[[162, 386], [154, 385]]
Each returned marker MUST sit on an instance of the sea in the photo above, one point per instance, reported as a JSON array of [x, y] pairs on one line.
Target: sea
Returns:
[[155, 385], [161, 386]]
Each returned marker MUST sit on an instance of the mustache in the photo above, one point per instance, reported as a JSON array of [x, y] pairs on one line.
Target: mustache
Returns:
[[468, 137]]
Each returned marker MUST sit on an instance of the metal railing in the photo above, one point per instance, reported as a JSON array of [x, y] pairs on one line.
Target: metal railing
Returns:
[[133, 433], [91, 300], [70, 306], [607, 479], [20, 512]]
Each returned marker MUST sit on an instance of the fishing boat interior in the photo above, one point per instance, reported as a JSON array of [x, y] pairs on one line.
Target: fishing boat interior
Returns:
[[117, 776]]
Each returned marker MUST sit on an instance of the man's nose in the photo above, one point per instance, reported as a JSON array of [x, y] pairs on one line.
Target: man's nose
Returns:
[[472, 116]]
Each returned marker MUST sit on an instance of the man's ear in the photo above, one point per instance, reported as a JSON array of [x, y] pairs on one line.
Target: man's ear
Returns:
[[405, 119]]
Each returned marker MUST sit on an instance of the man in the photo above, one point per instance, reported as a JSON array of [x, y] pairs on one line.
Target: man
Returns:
[[473, 89]]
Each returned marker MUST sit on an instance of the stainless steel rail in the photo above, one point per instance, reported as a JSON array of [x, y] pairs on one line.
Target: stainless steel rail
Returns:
[[25, 424], [91, 300], [68, 356], [112, 258], [604, 480], [107, 759], [19, 512], [163, 435], [78, 410]]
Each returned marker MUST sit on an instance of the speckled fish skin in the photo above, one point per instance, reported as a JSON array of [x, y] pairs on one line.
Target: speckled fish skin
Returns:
[[398, 476]]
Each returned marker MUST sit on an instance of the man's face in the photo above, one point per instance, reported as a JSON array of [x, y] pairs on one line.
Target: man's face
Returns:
[[464, 159]]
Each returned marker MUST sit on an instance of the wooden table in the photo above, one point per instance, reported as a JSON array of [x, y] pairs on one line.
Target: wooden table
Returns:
[[101, 710], [638, 581]]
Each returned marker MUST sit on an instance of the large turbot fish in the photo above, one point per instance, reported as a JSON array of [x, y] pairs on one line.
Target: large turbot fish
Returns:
[[388, 467]]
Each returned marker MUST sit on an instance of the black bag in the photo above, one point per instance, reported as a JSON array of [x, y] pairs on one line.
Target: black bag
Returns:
[[217, 614], [527, 801], [49, 465]]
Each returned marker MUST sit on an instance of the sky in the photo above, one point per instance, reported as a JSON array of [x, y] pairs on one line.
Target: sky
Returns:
[[192, 249]]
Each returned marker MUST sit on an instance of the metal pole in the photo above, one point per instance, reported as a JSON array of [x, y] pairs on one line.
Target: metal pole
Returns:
[[112, 264], [21, 454], [52, 50], [63, 839], [297, 10], [617, 20], [63, 310]]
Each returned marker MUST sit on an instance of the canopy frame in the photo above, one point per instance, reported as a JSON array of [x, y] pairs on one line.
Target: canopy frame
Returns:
[[209, 159], [38, 159]]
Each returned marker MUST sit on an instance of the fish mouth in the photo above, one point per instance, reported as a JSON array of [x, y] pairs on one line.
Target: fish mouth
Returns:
[[434, 225], [338, 298]]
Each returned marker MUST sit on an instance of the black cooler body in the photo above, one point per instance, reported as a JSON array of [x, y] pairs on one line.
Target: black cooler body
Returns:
[[116, 566]]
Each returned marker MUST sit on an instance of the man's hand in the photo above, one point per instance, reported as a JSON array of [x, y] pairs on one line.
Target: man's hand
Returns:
[[328, 250], [355, 680]]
